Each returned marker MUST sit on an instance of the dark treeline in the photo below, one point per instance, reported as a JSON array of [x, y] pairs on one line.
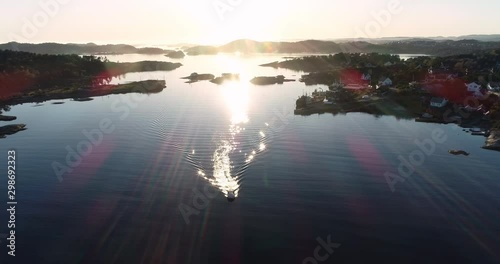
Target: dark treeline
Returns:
[[23, 72], [482, 67], [336, 61]]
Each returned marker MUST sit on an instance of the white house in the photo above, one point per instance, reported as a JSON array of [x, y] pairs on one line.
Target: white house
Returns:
[[438, 102], [387, 64], [475, 89], [386, 82]]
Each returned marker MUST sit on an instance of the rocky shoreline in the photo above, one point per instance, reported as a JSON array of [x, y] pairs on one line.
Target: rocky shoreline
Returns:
[[7, 118], [81, 95], [493, 141], [149, 86]]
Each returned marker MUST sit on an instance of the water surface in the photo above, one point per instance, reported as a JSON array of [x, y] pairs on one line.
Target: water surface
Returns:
[[154, 189]]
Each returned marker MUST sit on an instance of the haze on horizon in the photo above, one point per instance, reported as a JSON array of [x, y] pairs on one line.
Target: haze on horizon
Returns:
[[156, 22]]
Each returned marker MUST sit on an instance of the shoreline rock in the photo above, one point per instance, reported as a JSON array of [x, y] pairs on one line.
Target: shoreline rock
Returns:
[[195, 77], [7, 118], [493, 141]]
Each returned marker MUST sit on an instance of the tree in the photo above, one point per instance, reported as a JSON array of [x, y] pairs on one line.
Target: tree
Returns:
[[4, 108]]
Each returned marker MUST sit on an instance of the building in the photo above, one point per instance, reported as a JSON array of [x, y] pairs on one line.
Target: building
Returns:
[[438, 102], [366, 77], [475, 89], [386, 82]]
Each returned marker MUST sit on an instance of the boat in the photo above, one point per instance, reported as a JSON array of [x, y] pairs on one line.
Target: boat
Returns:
[[231, 196]]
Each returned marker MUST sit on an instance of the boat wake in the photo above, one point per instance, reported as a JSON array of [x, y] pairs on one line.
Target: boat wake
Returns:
[[230, 160]]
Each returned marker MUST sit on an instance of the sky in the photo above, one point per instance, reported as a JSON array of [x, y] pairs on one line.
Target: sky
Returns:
[[158, 22]]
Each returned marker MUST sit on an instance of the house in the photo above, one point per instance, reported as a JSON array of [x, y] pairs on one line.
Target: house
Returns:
[[438, 102], [386, 82], [387, 64], [366, 77], [475, 89]]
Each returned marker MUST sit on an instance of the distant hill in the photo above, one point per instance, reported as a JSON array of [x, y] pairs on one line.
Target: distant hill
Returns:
[[410, 46], [486, 38], [89, 48], [436, 46]]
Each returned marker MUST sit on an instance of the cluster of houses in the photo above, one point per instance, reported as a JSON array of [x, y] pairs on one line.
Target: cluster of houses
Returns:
[[360, 83]]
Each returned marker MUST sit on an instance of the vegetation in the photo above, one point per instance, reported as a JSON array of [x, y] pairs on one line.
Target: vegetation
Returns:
[[29, 74], [481, 67]]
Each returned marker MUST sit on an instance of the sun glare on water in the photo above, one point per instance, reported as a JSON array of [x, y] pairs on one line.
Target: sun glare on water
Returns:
[[235, 96]]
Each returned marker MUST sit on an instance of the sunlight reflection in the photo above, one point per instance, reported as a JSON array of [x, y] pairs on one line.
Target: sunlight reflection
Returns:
[[237, 100]]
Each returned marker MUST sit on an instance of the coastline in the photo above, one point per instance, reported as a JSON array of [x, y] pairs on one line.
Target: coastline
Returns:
[[374, 106], [148, 86], [82, 95]]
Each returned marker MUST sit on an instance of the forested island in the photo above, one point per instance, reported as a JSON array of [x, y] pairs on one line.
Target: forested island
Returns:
[[29, 77], [24, 74]]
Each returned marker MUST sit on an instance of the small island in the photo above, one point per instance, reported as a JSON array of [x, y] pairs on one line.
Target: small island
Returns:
[[265, 80], [11, 129], [7, 118], [226, 77], [176, 54], [195, 77]]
